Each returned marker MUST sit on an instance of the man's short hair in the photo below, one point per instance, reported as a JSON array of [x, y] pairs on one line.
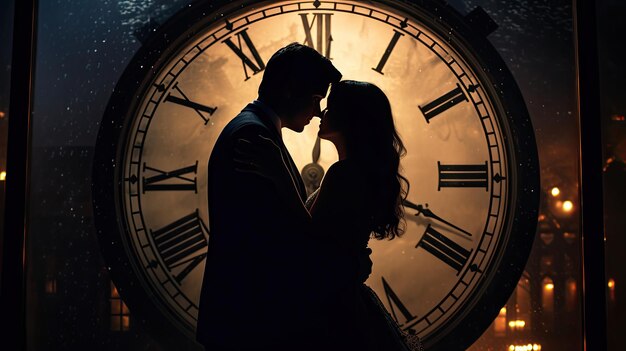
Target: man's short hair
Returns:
[[298, 70]]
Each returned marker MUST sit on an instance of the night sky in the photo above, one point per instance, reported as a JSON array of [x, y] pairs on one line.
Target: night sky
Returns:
[[82, 51]]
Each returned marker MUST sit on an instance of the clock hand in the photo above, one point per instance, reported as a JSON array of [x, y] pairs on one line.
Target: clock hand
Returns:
[[316, 150], [428, 213], [409, 204], [312, 173]]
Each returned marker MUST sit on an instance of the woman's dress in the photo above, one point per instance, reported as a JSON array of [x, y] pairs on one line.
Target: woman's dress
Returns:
[[342, 211]]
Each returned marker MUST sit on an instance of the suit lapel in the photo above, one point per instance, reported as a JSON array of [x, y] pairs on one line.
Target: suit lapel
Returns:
[[293, 169], [291, 166]]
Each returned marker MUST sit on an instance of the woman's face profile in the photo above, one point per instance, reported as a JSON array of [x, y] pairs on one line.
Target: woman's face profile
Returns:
[[328, 129]]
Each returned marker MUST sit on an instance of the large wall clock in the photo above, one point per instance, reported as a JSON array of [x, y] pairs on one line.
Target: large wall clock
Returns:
[[472, 160]]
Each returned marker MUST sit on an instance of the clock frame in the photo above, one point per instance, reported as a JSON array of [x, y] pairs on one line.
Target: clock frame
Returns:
[[464, 34]]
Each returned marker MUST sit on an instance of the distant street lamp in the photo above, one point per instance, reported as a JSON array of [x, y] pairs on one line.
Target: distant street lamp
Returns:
[[555, 191], [568, 206]]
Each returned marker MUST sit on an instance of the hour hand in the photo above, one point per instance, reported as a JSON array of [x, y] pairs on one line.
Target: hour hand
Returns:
[[421, 210]]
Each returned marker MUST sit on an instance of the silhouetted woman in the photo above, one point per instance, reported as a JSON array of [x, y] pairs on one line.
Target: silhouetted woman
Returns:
[[360, 197]]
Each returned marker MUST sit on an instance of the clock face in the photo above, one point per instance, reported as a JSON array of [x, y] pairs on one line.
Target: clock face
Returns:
[[461, 160]]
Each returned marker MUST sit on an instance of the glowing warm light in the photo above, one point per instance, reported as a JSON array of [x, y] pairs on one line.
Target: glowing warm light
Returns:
[[555, 191], [517, 324], [125, 322], [2, 115], [568, 206], [527, 347], [51, 286], [549, 286], [611, 285], [499, 324], [608, 162], [618, 118], [3, 175], [114, 293], [120, 315], [569, 236]]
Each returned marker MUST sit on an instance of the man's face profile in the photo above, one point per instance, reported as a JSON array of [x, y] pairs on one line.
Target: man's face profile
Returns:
[[307, 108]]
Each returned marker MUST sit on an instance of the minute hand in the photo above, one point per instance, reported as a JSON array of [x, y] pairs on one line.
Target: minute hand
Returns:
[[428, 213]]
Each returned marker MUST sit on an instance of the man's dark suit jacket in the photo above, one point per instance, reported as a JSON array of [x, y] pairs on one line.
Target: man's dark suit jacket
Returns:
[[259, 290]]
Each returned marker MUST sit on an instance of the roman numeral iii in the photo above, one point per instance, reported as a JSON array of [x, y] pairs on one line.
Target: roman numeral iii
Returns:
[[463, 176]]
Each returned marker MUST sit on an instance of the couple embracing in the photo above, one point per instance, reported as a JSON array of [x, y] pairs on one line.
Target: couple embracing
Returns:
[[287, 272]]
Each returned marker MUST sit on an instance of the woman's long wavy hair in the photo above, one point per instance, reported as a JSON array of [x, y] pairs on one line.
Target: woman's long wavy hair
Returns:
[[365, 120]]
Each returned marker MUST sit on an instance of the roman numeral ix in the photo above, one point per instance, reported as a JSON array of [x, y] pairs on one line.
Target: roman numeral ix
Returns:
[[176, 180]]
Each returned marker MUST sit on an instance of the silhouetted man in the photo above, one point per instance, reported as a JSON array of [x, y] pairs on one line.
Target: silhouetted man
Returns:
[[260, 289]]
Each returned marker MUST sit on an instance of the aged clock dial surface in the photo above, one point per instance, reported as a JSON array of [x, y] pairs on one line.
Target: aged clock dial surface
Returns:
[[458, 161]]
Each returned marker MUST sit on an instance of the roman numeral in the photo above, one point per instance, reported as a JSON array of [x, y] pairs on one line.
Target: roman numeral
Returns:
[[176, 180], [324, 36], [393, 300], [443, 103], [392, 44], [463, 176], [182, 244], [184, 101], [451, 253], [247, 62]]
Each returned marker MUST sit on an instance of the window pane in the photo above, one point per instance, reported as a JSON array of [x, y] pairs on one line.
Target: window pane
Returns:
[[82, 48], [536, 40], [610, 14], [6, 42]]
